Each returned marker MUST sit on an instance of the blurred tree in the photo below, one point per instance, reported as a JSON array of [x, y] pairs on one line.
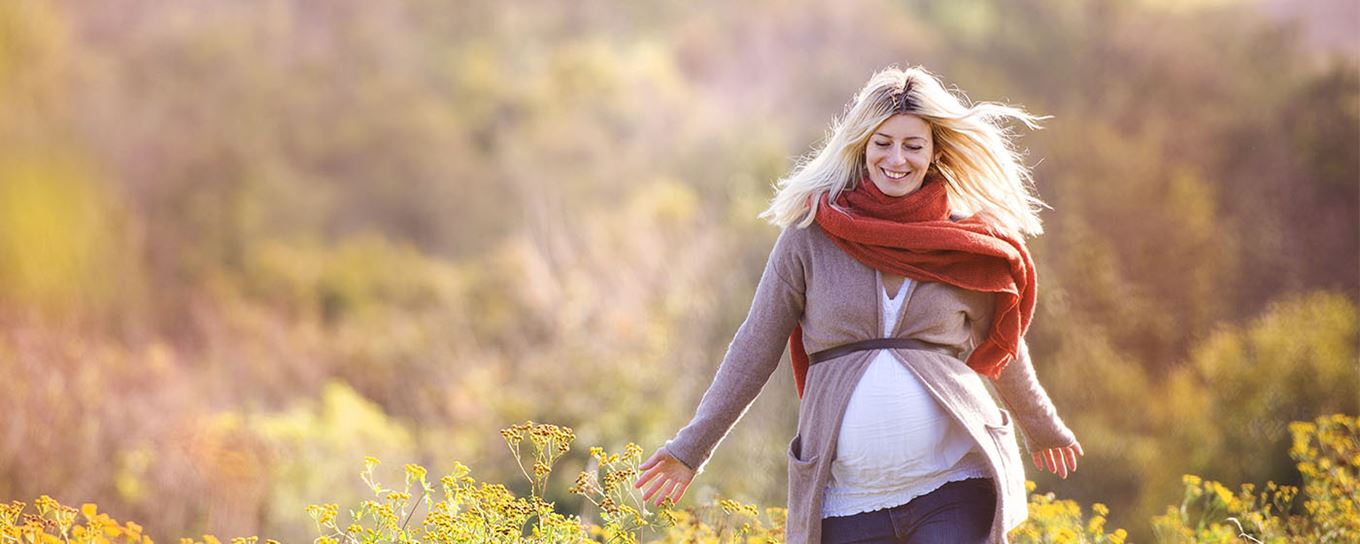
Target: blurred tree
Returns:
[[314, 450], [65, 247], [1295, 362]]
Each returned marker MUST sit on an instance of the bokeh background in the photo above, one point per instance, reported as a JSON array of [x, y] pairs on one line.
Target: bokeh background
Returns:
[[244, 244]]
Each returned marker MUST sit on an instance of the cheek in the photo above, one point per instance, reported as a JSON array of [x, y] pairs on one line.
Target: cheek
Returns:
[[922, 157]]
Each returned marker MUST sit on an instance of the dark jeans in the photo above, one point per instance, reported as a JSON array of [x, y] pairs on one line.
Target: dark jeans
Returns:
[[959, 512]]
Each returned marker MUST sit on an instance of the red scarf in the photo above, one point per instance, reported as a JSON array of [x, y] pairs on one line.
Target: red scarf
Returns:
[[912, 236]]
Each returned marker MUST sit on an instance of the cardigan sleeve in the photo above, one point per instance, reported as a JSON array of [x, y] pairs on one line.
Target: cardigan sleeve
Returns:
[[752, 356], [1019, 389]]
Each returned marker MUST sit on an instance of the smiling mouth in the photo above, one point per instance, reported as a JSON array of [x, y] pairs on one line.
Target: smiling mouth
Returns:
[[893, 175]]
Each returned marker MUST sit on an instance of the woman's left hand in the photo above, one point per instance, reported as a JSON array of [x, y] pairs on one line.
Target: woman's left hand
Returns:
[[1060, 460]]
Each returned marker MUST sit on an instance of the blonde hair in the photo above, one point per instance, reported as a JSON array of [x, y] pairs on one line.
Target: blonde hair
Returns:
[[982, 168]]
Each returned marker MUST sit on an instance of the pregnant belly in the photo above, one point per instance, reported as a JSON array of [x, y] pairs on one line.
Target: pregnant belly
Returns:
[[894, 427]]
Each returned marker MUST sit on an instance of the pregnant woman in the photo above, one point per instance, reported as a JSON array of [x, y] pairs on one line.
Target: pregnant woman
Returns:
[[902, 284]]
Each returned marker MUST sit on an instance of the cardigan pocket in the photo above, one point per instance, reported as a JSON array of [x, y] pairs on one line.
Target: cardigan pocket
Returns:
[[802, 466], [1011, 482], [1003, 436], [795, 452], [804, 499], [1005, 421]]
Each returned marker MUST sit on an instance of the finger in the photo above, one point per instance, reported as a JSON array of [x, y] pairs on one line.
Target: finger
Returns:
[[1079, 450], [665, 491], [1052, 461], [1071, 455], [1038, 461], [1062, 466], [652, 489], [654, 459], [646, 476], [679, 492]]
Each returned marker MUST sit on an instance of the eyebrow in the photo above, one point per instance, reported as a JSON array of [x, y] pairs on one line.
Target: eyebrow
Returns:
[[890, 137]]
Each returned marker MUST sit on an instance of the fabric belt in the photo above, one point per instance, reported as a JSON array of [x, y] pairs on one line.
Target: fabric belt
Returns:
[[877, 343]]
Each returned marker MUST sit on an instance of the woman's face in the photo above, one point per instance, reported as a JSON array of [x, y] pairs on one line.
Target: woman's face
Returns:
[[898, 154]]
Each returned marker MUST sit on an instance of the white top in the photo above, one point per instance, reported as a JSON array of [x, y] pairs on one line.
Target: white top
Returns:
[[896, 442]]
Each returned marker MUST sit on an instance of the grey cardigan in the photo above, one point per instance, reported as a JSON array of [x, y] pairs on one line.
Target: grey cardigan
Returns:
[[809, 279]]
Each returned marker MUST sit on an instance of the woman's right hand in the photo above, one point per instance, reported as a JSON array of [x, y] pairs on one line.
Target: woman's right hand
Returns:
[[667, 475]]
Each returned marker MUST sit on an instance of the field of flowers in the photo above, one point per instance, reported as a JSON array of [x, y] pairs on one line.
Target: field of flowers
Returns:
[[459, 509]]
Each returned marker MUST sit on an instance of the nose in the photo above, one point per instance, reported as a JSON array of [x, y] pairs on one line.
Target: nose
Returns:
[[897, 157]]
